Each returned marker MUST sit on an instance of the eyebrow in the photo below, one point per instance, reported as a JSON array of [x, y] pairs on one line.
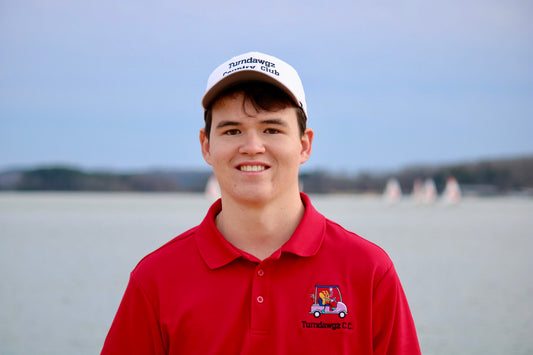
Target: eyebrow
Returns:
[[275, 122], [272, 121], [223, 124]]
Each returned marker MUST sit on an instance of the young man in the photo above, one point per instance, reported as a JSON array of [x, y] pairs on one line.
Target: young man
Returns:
[[264, 273]]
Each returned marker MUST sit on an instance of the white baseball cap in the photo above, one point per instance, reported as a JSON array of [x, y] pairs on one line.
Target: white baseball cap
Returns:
[[255, 66]]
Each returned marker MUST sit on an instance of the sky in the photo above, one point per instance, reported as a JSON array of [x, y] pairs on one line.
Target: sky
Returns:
[[117, 84]]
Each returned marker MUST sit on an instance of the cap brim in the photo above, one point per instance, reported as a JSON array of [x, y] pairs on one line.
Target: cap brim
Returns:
[[243, 76]]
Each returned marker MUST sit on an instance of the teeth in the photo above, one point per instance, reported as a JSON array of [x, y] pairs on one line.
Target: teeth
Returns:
[[252, 168]]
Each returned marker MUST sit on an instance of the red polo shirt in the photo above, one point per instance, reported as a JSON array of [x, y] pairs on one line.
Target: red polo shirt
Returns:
[[326, 291]]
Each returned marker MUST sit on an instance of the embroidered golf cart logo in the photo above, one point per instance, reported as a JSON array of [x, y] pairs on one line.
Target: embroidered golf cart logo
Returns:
[[327, 301]]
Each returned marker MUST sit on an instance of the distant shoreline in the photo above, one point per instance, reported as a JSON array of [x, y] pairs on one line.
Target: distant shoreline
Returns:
[[487, 177]]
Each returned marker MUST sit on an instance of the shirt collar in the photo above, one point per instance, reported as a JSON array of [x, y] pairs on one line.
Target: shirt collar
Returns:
[[217, 251]]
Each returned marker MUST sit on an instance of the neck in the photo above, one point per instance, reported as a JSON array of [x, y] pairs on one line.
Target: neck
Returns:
[[260, 230]]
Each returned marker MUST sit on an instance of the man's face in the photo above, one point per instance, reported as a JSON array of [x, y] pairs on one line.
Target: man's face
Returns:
[[255, 156]]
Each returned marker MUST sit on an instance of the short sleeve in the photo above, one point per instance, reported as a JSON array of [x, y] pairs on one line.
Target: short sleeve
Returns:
[[135, 329], [393, 327]]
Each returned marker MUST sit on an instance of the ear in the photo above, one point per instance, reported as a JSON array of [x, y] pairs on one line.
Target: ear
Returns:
[[307, 145], [206, 148]]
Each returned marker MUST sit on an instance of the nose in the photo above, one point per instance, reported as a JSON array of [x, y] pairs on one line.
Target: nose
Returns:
[[252, 144]]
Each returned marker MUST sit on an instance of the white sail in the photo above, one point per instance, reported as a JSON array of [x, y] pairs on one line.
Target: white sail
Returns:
[[452, 191], [418, 190], [430, 191], [393, 191], [212, 189]]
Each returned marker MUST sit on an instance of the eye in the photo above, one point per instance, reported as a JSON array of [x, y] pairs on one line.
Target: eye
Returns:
[[232, 132], [272, 131]]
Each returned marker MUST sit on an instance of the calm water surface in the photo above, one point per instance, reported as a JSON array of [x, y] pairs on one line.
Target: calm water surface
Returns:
[[65, 261]]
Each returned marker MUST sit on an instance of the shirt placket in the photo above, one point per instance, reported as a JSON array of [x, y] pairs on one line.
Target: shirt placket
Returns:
[[261, 302]]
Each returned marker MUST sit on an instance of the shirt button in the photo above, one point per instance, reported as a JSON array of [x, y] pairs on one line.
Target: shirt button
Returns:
[[260, 272], [260, 299]]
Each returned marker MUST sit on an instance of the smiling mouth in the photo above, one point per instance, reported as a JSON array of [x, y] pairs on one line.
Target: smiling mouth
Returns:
[[252, 168]]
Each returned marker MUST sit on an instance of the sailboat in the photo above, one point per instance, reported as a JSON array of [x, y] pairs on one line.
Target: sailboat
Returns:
[[212, 189], [418, 190], [393, 191], [430, 191], [452, 191]]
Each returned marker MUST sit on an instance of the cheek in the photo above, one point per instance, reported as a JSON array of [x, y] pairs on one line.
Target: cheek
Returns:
[[291, 159], [219, 154], [295, 153]]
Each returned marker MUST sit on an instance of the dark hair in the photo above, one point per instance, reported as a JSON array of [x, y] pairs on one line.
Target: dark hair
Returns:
[[263, 97]]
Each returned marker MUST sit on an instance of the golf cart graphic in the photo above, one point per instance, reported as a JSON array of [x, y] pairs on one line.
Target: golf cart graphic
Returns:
[[325, 301]]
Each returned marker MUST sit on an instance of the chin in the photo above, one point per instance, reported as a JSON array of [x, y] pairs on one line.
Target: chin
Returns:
[[252, 196]]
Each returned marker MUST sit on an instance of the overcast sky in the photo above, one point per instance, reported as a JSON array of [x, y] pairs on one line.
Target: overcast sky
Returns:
[[117, 84]]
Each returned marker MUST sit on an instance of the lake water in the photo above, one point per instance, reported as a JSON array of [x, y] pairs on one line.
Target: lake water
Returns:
[[65, 261]]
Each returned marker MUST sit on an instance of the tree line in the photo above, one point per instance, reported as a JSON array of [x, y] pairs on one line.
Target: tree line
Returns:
[[502, 176]]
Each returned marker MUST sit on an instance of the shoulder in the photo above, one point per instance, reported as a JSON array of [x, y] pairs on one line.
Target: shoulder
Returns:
[[345, 246], [169, 256], [354, 248]]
